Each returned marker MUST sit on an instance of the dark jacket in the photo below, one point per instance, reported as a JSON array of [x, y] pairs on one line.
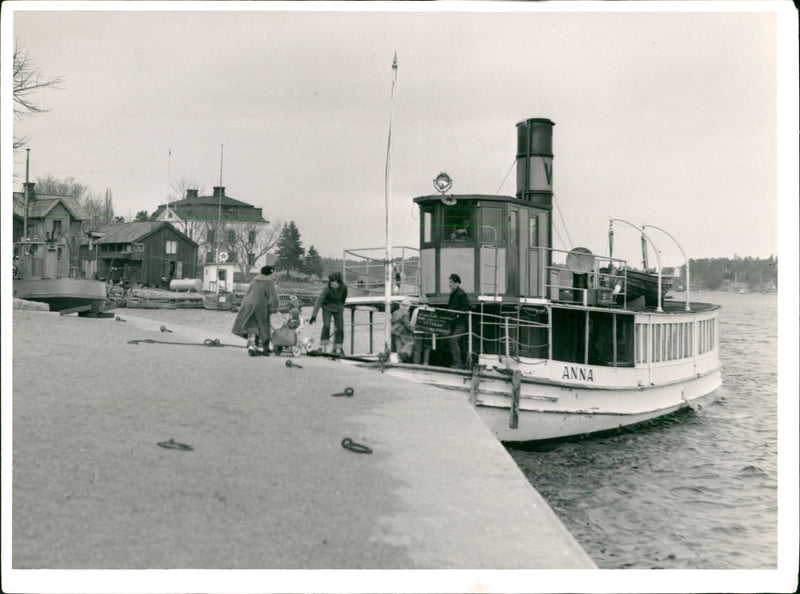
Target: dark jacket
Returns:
[[460, 302], [257, 306], [331, 299]]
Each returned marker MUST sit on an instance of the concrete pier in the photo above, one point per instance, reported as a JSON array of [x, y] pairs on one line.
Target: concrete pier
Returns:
[[267, 483]]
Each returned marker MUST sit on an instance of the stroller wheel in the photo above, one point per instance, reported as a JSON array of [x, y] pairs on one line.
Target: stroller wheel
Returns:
[[296, 350]]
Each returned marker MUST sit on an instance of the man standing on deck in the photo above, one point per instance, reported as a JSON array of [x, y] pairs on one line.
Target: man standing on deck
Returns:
[[458, 340]]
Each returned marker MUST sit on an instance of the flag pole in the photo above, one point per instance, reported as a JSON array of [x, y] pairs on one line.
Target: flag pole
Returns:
[[388, 200]]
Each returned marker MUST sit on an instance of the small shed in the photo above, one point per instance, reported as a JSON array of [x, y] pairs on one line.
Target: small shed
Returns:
[[218, 277]]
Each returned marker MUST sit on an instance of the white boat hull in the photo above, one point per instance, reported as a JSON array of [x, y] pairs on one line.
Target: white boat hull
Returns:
[[602, 411], [552, 410]]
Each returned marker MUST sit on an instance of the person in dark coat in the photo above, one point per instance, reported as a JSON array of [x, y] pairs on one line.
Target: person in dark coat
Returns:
[[331, 301], [459, 302], [253, 320]]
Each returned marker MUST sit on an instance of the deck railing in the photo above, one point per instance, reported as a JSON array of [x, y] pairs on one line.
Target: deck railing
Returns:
[[364, 271], [597, 281]]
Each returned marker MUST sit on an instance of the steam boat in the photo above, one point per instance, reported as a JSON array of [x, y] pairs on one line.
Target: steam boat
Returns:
[[559, 342]]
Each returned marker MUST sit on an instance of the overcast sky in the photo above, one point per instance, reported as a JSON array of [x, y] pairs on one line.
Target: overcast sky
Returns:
[[662, 118]]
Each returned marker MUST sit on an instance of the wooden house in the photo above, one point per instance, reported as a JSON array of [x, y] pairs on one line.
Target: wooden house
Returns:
[[45, 224], [149, 253]]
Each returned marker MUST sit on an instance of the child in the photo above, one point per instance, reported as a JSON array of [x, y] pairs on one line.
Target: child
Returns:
[[331, 300]]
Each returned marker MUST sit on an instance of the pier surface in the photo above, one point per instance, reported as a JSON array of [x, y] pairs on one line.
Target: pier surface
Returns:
[[267, 483]]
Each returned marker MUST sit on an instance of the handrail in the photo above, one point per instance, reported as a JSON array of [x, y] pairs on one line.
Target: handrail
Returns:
[[370, 264], [658, 257], [685, 259], [604, 282]]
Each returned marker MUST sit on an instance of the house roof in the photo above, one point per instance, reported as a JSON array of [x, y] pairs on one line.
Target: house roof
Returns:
[[242, 211], [134, 231], [41, 205], [213, 200]]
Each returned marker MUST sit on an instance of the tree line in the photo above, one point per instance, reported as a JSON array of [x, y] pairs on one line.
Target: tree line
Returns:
[[751, 274]]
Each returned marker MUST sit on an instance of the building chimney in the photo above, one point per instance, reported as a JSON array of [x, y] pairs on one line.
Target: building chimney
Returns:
[[191, 193], [219, 191]]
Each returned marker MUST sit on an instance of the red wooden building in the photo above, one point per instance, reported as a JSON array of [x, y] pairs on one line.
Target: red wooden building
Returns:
[[150, 253]]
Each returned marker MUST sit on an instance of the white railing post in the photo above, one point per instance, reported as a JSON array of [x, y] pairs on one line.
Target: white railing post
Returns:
[[508, 345], [685, 259], [469, 334]]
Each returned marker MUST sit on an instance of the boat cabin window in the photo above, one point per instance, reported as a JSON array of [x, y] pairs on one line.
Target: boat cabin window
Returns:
[[427, 226], [458, 223], [491, 225], [593, 338], [533, 231]]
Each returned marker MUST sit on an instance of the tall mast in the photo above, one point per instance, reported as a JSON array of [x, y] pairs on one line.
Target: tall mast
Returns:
[[27, 186], [219, 207], [388, 199], [169, 162]]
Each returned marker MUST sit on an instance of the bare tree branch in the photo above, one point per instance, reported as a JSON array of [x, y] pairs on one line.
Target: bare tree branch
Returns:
[[28, 80]]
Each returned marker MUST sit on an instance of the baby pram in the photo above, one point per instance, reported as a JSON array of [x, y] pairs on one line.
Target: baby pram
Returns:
[[288, 338]]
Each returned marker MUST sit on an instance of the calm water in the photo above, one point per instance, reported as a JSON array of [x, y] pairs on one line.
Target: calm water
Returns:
[[696, 491]]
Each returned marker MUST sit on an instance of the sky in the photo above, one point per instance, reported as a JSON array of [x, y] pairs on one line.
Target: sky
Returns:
[[663, 117]]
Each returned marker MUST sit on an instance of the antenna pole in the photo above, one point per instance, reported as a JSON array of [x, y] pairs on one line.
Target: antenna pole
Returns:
[[27, 180], [388, 200], [219, 208]]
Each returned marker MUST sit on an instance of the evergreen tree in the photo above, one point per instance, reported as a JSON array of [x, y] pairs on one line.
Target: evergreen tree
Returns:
[[290, 251], [313, 262]]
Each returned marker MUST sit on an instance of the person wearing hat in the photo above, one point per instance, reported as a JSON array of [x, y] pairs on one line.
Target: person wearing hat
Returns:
[[459, 302], [253, 320], [331, 301], [403, 331]]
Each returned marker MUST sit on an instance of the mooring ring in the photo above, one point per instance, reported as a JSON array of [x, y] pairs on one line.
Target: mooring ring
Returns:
[[174, 445], [349, 444]]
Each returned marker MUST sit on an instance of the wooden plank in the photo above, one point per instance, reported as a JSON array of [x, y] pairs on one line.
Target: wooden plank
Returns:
[[516, 381]]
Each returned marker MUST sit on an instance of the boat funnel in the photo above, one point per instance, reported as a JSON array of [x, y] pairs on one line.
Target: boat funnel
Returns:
[[535, 162]]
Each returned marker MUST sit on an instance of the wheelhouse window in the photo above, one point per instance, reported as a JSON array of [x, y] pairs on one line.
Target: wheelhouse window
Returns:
[[427, 226], [458, 224], [491, 225], [533, 231]]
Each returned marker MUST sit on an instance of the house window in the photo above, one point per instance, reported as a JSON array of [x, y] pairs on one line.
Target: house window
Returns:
[[209, 257], [251, 237], [56, 227], [172, 247], [137, 247], [231, 236], [210, 236], [251, 259]]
